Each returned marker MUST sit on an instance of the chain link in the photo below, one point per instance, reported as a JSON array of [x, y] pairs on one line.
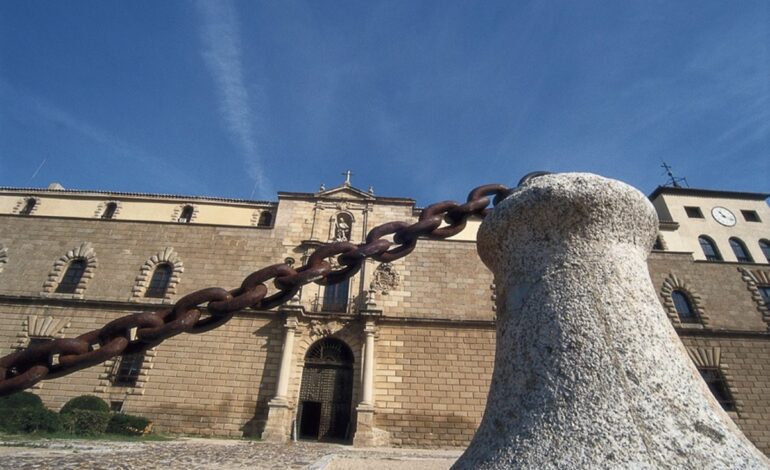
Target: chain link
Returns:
[[137, 333]]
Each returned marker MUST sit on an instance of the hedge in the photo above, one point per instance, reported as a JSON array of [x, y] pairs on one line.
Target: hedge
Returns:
[[29, 419], [85, 402], [128, 425], [20, 400], [85, 422]]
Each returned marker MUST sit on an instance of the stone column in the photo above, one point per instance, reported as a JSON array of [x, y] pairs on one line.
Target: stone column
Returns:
[[365, 431], [589, 372], [278, 426]]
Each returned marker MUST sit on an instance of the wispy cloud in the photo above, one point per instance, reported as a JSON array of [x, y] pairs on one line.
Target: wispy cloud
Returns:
[[34, 108], [220, 38]]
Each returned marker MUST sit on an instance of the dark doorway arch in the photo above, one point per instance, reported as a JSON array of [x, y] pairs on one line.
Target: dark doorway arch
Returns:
[[326, 392]]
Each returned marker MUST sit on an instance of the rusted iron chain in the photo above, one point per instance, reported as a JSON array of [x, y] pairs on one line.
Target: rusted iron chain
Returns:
[[212, 307]]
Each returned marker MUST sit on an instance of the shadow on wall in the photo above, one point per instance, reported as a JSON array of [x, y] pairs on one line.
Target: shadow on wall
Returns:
[[273, 344]]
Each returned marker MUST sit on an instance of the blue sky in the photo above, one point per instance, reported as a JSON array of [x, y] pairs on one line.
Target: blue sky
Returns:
[[418, 99]]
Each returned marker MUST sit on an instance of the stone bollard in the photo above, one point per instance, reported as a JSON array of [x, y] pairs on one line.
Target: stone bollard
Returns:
[[589, 372]]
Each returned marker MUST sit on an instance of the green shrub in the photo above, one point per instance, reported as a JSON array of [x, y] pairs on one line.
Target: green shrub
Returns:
[[85, 402], [20, 400], [29, 419], [85, 422], [128, 425]]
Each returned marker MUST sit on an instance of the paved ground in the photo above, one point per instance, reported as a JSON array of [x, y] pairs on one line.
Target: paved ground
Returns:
[[192, 453]]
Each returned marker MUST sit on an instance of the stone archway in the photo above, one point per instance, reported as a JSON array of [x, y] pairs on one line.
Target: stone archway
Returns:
[[326, 391]]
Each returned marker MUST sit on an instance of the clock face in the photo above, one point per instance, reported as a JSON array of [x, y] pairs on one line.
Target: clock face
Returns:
[[723, 216]]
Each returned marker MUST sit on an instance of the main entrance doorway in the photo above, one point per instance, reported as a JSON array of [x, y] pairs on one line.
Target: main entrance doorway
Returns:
[[326, 392]]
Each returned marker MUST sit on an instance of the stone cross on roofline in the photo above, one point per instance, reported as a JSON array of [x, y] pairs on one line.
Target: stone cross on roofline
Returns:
[[347, 176]]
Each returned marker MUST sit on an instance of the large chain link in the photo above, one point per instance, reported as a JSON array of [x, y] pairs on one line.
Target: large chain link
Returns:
[[212, 307]]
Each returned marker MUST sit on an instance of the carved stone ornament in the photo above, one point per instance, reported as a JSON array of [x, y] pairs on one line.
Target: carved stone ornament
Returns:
[[386, 278], [35, 326], [320, 329]]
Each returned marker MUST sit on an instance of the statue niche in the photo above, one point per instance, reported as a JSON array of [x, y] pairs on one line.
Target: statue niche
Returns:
[[341, 226]]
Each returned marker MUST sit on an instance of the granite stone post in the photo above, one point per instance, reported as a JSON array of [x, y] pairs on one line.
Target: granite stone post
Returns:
[[589, 372]]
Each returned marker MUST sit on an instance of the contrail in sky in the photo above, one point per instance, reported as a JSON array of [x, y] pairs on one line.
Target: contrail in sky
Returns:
[[221, 43]]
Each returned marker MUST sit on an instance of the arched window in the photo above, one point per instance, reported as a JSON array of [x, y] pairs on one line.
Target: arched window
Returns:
[[186, 216], [741, 253], [265, 219], [764, 245], [109, 210], [709, 248], [28, 206], [159, 281], [683, 307], [69, 282]]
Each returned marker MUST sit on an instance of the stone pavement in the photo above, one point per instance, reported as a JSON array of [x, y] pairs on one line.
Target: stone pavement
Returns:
[[197, 453]]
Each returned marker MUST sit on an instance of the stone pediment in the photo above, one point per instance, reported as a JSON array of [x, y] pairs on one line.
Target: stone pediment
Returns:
[[344, 192]]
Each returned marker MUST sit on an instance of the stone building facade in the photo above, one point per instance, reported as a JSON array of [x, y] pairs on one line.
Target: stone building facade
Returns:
[[401, 354]]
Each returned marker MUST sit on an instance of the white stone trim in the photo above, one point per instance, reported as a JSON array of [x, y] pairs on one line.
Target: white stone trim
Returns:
[[705, 357], [178, 212], [165, 256], [21, 203], [35, 326], [257, 214], [85, 252], [672, 283], [103, 205], [753, 280]]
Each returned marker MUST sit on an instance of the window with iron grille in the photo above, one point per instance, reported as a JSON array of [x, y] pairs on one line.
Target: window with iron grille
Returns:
[[740, 251], [69, 282], [265, 219], [186, 216], [159, 281], [693, 212], [126, 370], [336, 297], [710, 250], [718, 386], [683, 307], [109, 210], [28, 206]]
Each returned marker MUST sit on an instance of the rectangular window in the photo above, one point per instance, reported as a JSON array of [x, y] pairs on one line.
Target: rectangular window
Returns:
[[116, 406], [126, 371], [336, 297], [751, 216], [693, 212], [718, 386], [38, 340]]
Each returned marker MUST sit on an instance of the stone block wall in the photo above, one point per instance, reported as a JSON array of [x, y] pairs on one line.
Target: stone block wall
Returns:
[[724, 294], [217, 383], [745, 361], [431, 381]]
